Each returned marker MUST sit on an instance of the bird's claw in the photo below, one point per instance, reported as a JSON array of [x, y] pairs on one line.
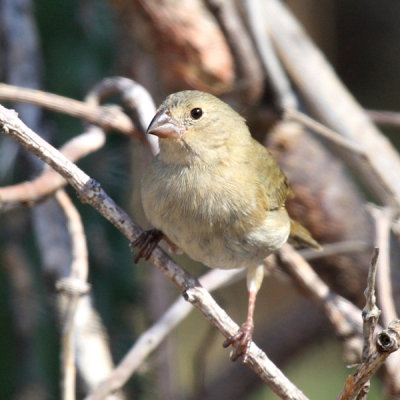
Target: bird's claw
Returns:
[[147, 241], [241, 342]]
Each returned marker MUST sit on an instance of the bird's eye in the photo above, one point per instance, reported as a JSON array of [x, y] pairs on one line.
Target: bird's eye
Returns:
[[196, 113]]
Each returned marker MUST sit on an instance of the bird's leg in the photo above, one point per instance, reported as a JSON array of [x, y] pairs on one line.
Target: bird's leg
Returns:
[[147, 241], [242, 339]]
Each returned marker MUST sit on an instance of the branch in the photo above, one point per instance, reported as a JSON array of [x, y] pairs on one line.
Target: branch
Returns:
[[91, 192], [383, 221], [74, 286], [370, 312], [277, 77], [107, 117], [246, 60], [385, 118], [49, 181], [332, 136], [342, 314], [387, 342], [152, 337]]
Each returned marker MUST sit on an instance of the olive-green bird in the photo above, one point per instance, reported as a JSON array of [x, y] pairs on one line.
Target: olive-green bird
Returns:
[[216, 193]]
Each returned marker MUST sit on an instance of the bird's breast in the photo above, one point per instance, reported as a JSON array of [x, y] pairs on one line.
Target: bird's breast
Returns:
[[209, 215]]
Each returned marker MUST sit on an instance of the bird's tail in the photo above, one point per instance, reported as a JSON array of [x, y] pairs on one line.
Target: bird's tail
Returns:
[[301, 237]]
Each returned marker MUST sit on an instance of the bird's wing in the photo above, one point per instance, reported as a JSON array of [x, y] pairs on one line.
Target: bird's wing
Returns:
[[274, 184]]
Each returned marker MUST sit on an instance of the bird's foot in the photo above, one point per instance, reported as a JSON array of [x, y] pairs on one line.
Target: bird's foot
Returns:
[[147, 241], [241, 341]]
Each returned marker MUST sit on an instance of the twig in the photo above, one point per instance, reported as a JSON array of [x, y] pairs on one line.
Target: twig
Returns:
[[92, 193], [340, 141], [153, 336], [385, 118], [387, 342], [108, 117], [271, 64], [246, 60], [49, 181], [74, 286], [343, 315], [383, 221], [332, 249], [135, 98], [370, 312]]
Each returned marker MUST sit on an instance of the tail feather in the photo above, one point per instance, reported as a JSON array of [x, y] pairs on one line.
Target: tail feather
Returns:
[[301, 237]]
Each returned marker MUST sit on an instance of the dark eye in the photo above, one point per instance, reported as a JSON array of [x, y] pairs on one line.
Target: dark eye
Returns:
[[196, 113]]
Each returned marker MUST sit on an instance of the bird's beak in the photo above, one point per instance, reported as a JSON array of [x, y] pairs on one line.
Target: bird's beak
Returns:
[[165, 126]]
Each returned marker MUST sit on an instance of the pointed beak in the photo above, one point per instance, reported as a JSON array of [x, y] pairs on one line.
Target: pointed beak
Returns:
[[165, 126]]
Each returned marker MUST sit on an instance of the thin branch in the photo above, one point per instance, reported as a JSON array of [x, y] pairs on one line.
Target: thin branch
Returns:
[[242, 49], [387, 342], [91, 192], [135, 98], [343, 315], [385, 118], [370, 312], [108, 117], [49, 181], [74, 286], [270, 62], [333, 137], [383, 220], [153, 336], [333, 249]]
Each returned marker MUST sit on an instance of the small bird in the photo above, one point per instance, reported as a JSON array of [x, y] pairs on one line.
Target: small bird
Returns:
[[216, 193]]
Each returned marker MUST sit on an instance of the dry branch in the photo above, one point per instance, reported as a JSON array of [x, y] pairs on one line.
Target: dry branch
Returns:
[[387, 342], [72, 287], [343, 315], [108, 117], [250, 77], [49, 181]]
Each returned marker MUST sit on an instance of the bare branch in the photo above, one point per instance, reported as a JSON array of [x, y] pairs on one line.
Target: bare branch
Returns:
[[370, 312], [387, 342], [270, 61], [343, 315], [385, 118], [73, 287], [246, 60], [332, 249], [49, 181], [383, 220], [153, 336], [108, 117], [326, 133]]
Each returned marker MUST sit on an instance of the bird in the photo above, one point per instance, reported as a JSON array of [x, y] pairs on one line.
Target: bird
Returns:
[[216, 194]]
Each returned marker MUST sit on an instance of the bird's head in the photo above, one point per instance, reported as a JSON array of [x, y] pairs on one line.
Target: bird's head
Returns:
[[194, 125]]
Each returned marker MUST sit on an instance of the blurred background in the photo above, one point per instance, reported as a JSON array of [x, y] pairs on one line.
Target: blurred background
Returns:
[[67, 48]]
